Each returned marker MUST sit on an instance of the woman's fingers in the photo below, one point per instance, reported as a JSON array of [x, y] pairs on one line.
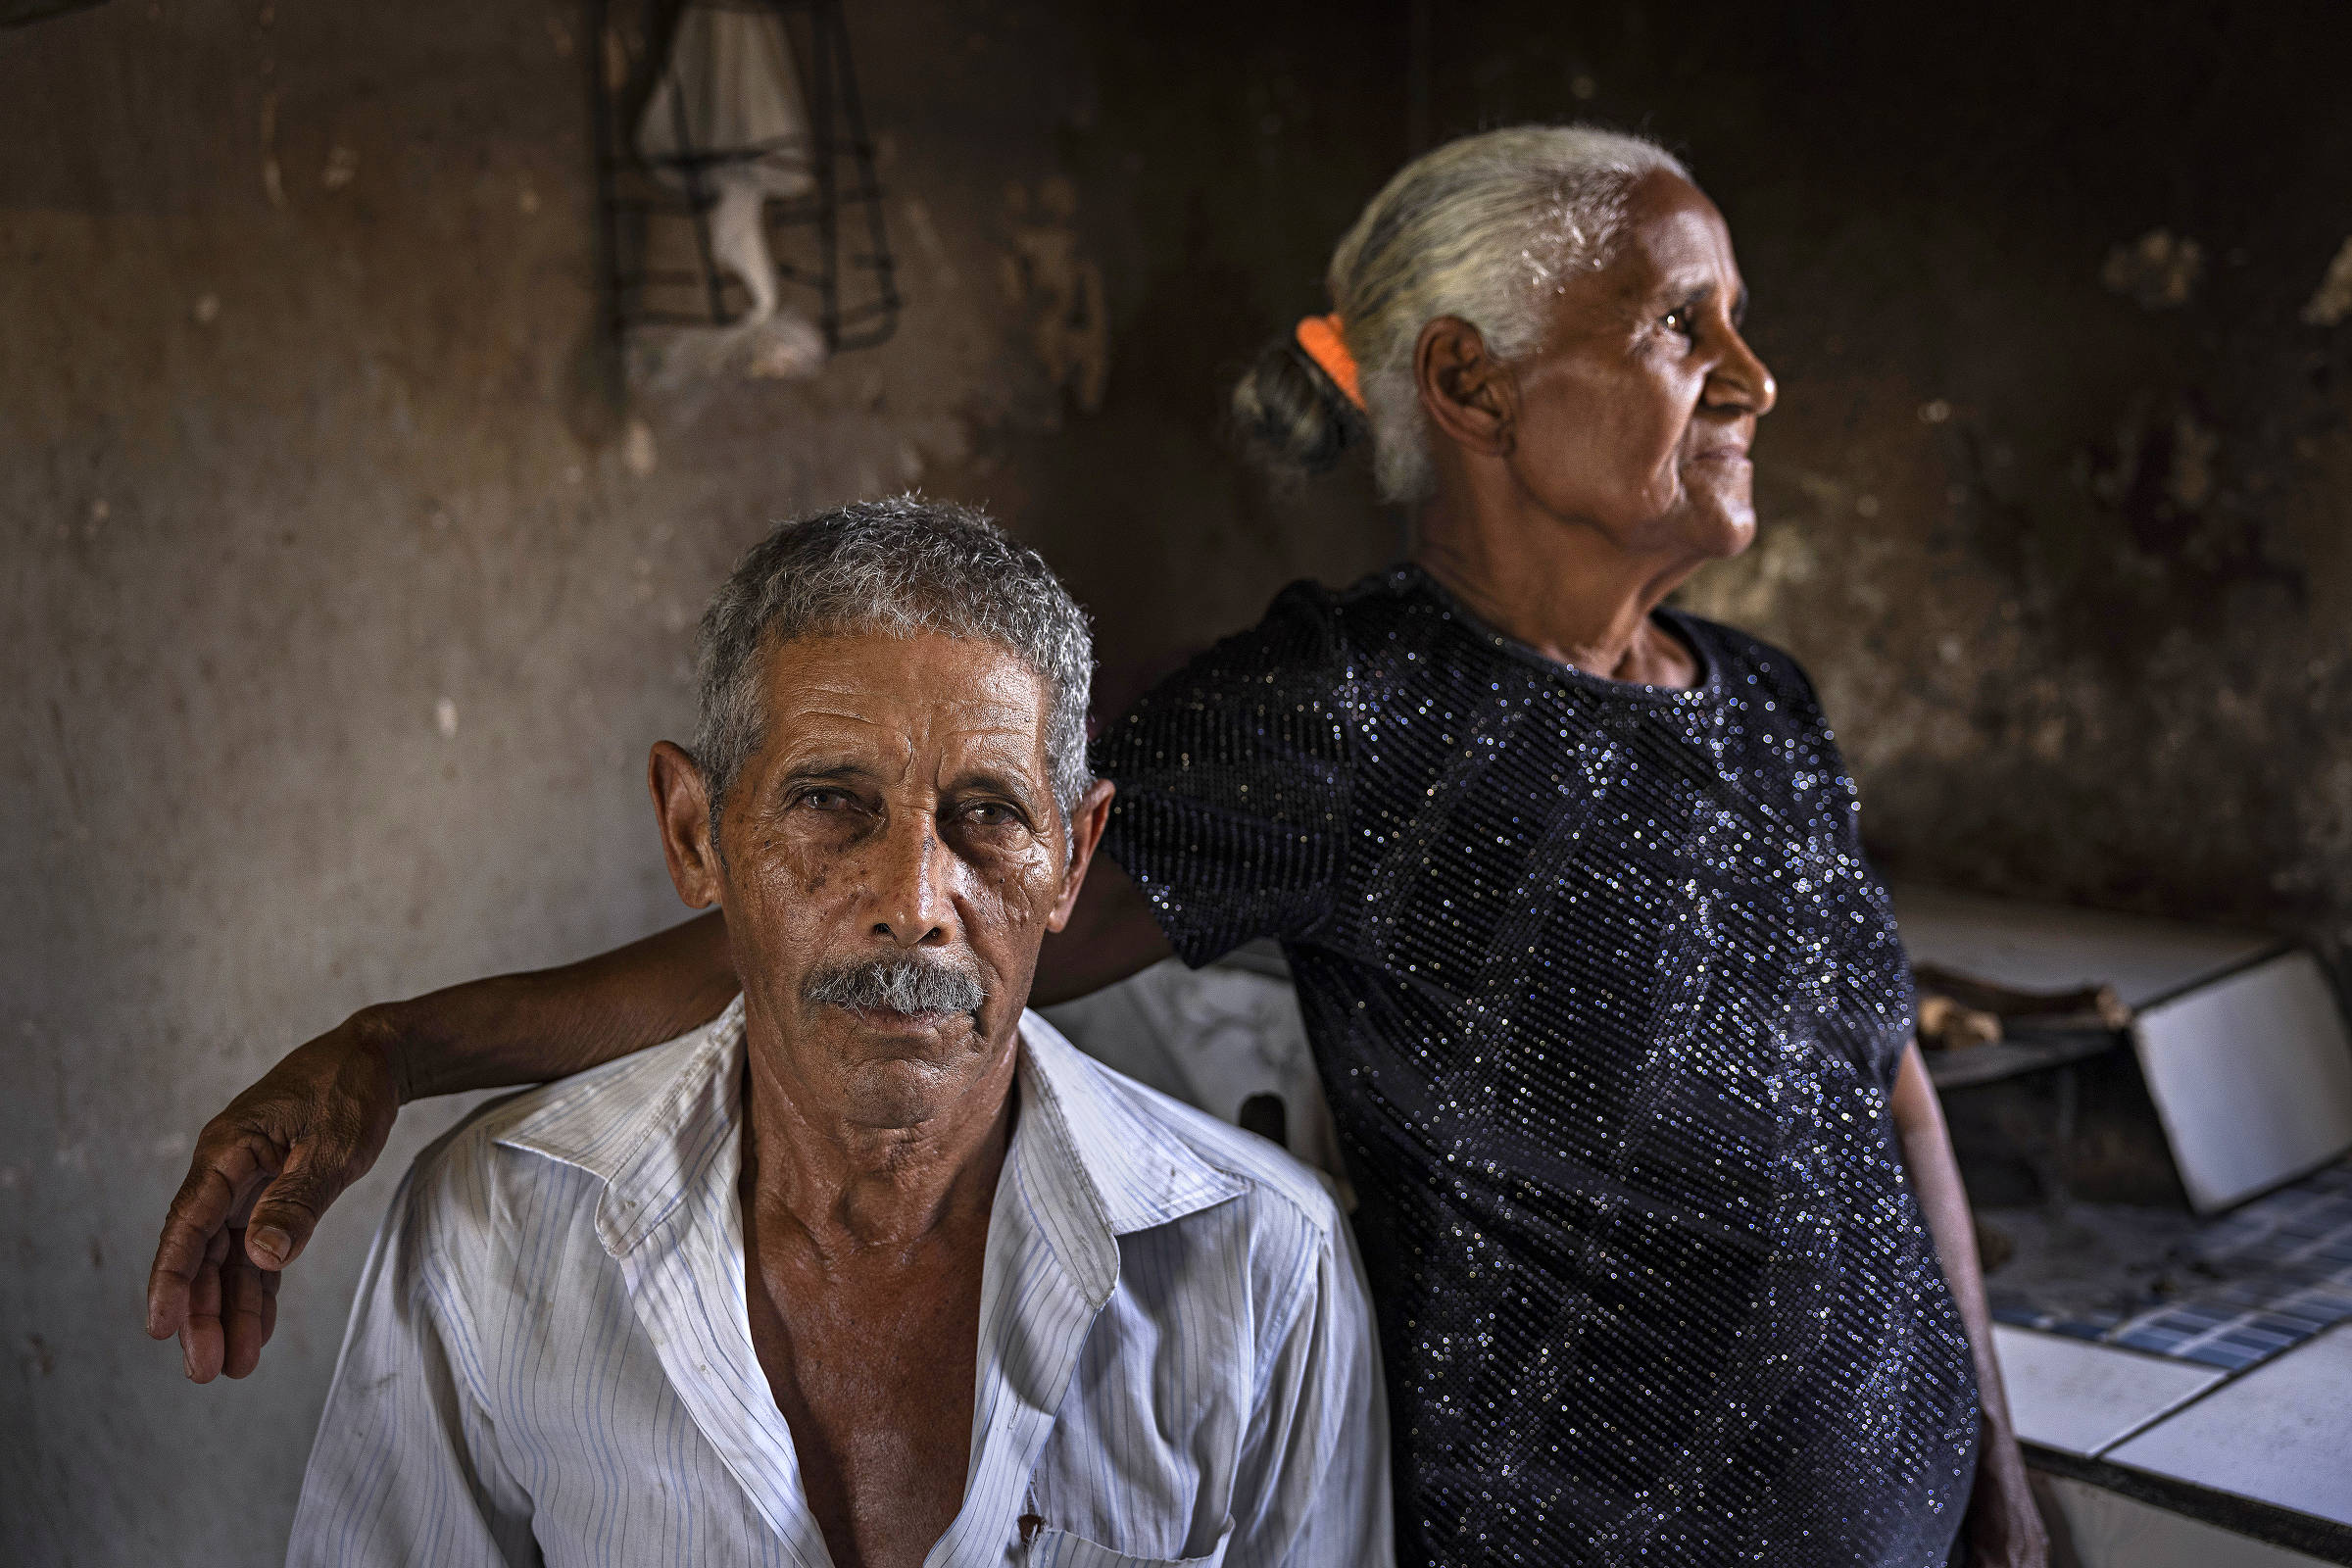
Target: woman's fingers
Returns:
[[230, 1164], [248, 1308], [317, 1171], [200, 1347], [270, 1280], [262, 1173]]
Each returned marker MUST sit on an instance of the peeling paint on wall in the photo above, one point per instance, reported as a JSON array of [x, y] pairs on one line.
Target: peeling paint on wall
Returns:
[[2332, 301], [638, 452], [2159, 270], [1047, 276], [274, 183], [917, 215]]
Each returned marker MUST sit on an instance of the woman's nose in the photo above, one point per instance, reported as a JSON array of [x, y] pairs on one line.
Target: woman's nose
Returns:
[[1742, 379]]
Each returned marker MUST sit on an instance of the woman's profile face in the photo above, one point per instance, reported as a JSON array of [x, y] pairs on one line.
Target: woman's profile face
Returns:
[[1637, 411]]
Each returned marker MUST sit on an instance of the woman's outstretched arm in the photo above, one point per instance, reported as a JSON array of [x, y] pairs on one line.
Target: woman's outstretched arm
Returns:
[[2005, 1528], [266, 1167], [270, 1164]]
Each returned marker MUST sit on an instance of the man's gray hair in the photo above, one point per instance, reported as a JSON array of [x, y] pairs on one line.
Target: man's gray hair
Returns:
[[897, 567]]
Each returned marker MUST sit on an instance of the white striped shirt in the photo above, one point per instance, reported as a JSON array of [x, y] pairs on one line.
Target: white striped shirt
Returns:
[[550, 1357]]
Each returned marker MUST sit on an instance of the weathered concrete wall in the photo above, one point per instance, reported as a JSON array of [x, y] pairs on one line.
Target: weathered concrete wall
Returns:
[[341, 601], [342, 598]]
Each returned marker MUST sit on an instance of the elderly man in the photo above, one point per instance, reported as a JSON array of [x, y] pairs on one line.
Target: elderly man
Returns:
[[876, 1269]]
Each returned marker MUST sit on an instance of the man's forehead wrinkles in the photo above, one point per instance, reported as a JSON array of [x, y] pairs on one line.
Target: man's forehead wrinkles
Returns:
[[835, 731], [925, 714], [882, 707], [879, 702], [946, 756], [818, 712]]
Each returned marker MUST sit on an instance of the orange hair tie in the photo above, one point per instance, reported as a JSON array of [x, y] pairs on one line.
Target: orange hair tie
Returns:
[[1320, 336]]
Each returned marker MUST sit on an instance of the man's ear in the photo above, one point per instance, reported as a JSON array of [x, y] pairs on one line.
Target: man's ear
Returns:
[[683, 806], [1469, 394], [1086, 831]]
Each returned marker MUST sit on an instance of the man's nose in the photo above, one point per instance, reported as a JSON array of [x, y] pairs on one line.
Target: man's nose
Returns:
[[910, 886]]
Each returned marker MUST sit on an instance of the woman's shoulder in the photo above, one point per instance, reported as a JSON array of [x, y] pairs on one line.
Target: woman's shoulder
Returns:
[[1309, 623], [1739, 662], [1301, 640], [1282, 680], [1371, 606]]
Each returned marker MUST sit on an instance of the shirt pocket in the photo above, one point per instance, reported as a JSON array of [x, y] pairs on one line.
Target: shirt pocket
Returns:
[[1059, 1548]]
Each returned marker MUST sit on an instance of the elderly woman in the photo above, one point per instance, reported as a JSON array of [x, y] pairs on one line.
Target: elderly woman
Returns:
[[1673, 1259]]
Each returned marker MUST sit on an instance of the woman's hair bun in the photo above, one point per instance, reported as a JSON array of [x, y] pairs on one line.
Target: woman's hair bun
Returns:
[[1291, 413]]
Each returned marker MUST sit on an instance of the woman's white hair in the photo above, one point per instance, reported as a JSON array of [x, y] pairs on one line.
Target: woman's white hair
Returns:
[[1485, 229]]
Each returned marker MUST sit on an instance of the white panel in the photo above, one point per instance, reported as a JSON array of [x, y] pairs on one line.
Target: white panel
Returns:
[[2111, 1531], [2281, 1433], [2047, 947], [2082, 1397], [2253, 1078]]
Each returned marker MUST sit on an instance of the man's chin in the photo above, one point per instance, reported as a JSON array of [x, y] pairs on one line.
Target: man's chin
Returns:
[[905, 1090]]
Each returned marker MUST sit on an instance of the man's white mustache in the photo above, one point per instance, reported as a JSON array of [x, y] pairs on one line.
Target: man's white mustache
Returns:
[[897, 985]]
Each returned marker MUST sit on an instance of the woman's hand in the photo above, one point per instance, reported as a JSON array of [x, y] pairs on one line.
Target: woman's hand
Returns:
[[266, 1168], [2004, 1523], [263, 1171]]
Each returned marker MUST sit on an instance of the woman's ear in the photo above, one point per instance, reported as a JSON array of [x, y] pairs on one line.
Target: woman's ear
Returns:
[[1468, 394], [683, 806]]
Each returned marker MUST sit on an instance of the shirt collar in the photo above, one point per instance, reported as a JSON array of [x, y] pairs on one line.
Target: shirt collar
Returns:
[[1095, 1164], [1093, 1160], [648, 1126]]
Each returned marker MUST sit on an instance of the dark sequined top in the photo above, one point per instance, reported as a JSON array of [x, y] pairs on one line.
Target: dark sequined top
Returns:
[[1607, 1004]]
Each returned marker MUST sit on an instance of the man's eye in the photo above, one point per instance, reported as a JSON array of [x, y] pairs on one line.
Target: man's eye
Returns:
[[991, 813], [827, 800], [1677, 321]]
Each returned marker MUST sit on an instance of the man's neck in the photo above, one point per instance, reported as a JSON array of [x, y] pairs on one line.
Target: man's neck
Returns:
[[864, 1252], [854, 1189]]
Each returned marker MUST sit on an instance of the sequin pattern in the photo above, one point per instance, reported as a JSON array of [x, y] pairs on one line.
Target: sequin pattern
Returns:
[[1607, 1004]]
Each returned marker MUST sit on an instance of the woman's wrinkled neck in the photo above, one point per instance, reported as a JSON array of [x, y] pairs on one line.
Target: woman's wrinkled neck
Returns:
[[1564, 589]]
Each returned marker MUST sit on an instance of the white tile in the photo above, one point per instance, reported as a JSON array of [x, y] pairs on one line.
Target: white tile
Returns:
[[2082, 1397], [2047, 947], [2106, 1530], [2252, 1076], [2281, 1433]]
